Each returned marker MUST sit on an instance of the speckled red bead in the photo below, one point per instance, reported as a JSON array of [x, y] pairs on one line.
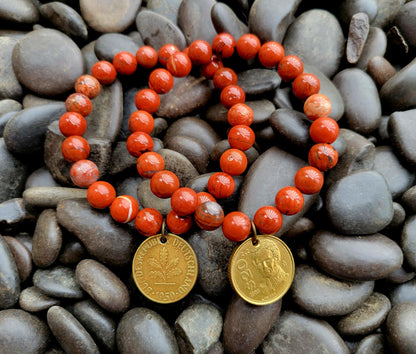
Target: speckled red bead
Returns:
[[124, 208]]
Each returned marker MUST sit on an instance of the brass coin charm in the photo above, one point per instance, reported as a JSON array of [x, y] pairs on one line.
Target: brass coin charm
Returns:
[[261, 273], [165, 268]]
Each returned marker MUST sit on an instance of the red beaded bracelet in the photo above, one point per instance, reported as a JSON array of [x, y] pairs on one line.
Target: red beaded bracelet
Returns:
[[186, 204]]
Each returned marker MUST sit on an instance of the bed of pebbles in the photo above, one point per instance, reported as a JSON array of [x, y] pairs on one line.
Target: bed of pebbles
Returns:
[[65, 268]]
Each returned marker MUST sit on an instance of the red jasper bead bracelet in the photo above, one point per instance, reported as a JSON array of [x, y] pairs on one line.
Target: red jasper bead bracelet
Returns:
[[187, 205]]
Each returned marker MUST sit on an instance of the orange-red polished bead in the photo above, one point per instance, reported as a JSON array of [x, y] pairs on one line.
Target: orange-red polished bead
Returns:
[[165, 53], [178, 224], [138, 143], [75, 148], [79, 103], [161, 80], [268, 220], [147, 100], [205, 197], [224, 77], [236, 226], [231, 95], [88, 85], [289, 200], [221, 185], [124, 208], [208, 70], [233, 162], [324, 130], [323, 156], [290, 67], [305, 85], [223, 45], [164, 183], [125, 63], [72, 123], [184, 201], [148, 221], [240, 114], [149, 163], [200, 52], [141, 121], [101, 194], [241, 137], [309, 180], [104, 72], [209, 216], [270, 54], [146, 57], [179, 64], [316, 106], [248, 45], [83, 173]]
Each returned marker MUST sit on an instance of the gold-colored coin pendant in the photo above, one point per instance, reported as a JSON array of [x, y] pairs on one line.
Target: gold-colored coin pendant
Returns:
[[165, 268], [261, 271]]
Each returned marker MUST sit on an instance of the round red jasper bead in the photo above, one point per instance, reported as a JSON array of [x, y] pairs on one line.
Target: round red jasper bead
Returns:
[[79, 103], [149, 163], [147, 100], [83, 173], [178, 224], [204, 197], [323, 156], [221, 185], [179, 64], [75, 148], [224, 77], [309, 180], [161, 81], [124, 208], [208, 70], [164, 183], [200, 52], [231, 95], [223, 45], [241, 137], [104, 72], [240, 114], [125, 63], [236, 226], [101, 194], [268, 220], [165, 53], [184, 201], [146, 57], [316, 106], [148, 221], [248, 45], [305, 85], [138, 143], [233, 162], [324, 130], [72, 123], [270, 54], [141, 121], [88, 85], [290, 67], [289, 200], [209, 216]]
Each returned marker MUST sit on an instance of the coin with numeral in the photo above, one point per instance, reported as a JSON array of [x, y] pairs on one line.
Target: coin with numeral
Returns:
[[165, 268], [261, 272]]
